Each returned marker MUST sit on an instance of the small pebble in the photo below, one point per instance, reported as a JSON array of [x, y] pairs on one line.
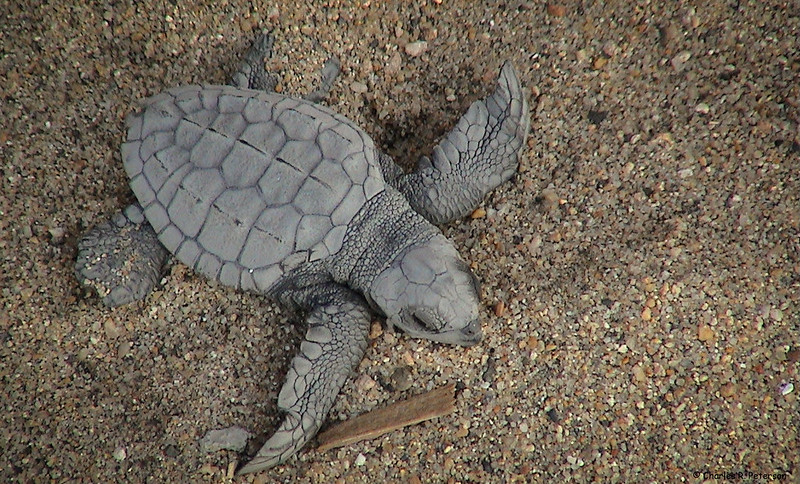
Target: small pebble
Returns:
[[394, 64], [360, 460], [415, 49], [556, 10], [172, 450], [705, 333], [490, 372], [550, 198], [364, 383], [596, 116], [112, 329], [727, 390], [599, 62], [123, 349], [679, 61], [57, 234], [690, 19], [232, 438], [610, 48], [401, 379], [120, 453], [479, 212], [358, 87], [376, 330], [786, 388], [639, 374]]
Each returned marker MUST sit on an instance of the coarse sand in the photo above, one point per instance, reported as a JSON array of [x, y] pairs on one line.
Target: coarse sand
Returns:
[[641, 273]]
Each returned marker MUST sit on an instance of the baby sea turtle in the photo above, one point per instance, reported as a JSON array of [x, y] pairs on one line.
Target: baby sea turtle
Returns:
[[284, 197]]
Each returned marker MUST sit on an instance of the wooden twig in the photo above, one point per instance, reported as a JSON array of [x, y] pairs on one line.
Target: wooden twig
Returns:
[[418, 408]]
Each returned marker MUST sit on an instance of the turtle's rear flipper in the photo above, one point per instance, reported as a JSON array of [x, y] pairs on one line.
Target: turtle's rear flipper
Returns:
[[335, 343], [480, 153], [121, 258], [329, 73], [251, 73]]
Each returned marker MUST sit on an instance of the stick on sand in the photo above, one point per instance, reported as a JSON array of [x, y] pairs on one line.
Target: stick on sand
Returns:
[[418, 408]]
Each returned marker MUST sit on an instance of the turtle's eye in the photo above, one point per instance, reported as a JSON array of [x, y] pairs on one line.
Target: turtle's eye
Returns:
[[419, 322], [427, 320]]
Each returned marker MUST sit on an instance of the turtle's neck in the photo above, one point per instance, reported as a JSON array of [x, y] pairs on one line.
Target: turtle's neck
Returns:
[[382, 229]]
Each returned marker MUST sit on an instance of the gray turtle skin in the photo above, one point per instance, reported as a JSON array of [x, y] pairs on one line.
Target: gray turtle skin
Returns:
[[283, 197]]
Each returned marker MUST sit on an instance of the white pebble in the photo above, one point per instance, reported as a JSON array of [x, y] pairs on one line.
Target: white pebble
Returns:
[[358, 87], [120, 453], [680, 60], [232, 438], [417, 48]]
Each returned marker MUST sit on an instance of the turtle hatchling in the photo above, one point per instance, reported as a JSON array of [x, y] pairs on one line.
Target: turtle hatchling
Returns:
[[283, 197]]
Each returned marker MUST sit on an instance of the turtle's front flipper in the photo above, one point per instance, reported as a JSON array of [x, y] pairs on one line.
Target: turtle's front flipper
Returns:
[[121, 258], [334, 345], [480, 153]]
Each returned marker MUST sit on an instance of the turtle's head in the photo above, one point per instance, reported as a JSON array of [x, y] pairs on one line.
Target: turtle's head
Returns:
[[429, 292]]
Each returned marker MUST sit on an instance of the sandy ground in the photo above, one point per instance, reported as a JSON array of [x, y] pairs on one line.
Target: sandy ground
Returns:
[[641, 274]]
